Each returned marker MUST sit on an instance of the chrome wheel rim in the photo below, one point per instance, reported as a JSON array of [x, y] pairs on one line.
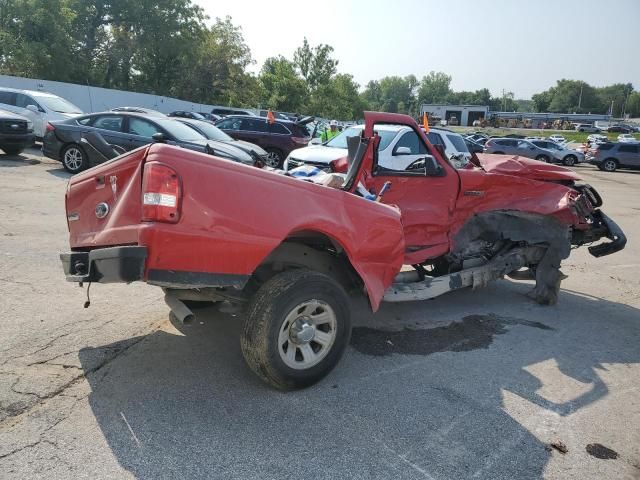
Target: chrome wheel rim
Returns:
[[570, 161], [307, 334], [273, 159], [609, 165], [73, 158]]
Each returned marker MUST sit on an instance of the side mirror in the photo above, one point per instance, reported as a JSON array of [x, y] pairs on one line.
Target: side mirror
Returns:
[[159, 137], [33, 108], [403, 151]]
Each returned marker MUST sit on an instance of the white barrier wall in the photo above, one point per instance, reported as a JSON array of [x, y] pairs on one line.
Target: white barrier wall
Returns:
[[96, 99]]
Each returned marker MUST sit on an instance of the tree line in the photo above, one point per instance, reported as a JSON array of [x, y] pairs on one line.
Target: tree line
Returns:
[[170, 48]]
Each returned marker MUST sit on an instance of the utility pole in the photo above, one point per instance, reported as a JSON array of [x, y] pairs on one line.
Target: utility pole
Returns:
[[504, 101], [580, 97]]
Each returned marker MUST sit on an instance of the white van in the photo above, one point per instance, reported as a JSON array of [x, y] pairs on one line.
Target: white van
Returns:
[[39, 107]]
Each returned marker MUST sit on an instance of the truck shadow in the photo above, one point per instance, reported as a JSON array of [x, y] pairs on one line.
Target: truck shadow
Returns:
[[181, 403]]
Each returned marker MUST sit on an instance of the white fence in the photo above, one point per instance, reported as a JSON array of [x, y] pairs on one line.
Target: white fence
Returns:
[[96, 99]]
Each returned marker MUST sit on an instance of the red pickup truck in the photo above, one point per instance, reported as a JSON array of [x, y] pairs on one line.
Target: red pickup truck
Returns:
[[204, 228]]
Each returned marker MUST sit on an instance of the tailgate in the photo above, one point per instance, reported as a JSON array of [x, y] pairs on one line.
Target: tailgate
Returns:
[[104, 203]]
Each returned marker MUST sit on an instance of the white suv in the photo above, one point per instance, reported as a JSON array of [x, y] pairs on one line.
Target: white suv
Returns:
[[39, 107], [399, 147]]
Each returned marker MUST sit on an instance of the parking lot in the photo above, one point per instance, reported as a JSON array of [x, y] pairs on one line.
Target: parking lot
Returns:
[[473, 384]]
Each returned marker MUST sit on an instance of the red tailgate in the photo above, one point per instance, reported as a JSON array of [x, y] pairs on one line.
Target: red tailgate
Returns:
[[104, 203]]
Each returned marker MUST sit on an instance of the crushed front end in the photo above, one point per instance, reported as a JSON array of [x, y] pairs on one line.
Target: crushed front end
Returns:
[[593, 224]]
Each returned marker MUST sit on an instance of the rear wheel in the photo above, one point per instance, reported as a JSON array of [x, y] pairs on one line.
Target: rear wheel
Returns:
[[609, 165], [275, 158], [296, 329], [570, 160], [74, 159], [543, 158]]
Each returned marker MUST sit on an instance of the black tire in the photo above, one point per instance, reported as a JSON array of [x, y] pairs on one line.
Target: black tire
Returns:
[[498, 153], [570, 160], [74, 159], [269, 317], [609, 165], [275, 157], [543, 158], [12, 150]]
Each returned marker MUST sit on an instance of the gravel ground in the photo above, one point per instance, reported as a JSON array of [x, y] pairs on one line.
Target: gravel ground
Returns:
[[474, 384]]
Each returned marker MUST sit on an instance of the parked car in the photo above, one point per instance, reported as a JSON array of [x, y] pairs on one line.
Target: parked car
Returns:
[[473, 147], [127, 130], [557, 138], [611, 156], [212, 132], [620, 129], [225, 111], [399, 147], [16, 132], [597, 138], [185, 114], [39, 107], [394, 148], [627, 138], [522, 148], [278, 138], [561, 153], [288, 250], [586, 127], [143, 110]]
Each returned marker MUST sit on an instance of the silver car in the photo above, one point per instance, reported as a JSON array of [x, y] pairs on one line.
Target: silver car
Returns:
[[561, 153], [514, 146]]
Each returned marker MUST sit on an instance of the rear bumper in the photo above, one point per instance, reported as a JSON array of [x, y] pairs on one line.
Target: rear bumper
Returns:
[[127, 264], [105, 265], [602, 227]]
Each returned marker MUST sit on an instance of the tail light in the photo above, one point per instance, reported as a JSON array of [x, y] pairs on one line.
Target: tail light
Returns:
[[50, 128], [161, 194], [300, 140]]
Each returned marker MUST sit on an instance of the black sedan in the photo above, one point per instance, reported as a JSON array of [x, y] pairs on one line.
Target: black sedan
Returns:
[[62, 140], [212, 132]]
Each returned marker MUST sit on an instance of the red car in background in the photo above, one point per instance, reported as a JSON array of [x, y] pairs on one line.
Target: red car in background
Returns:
[[278, 137]]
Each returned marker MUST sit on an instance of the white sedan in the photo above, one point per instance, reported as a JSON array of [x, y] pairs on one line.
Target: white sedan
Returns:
[[559, 139], [627, 138]]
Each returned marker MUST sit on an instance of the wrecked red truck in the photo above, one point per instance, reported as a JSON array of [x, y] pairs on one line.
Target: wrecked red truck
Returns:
[[289, 250]]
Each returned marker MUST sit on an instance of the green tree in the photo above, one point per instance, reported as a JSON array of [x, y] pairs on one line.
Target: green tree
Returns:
[[217, 69], [616, 94], [338, 99], [282, 88], [434, 88], [35, 42], [316, 64]]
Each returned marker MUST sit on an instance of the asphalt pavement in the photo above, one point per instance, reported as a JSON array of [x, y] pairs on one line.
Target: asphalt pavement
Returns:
[[474, 384]]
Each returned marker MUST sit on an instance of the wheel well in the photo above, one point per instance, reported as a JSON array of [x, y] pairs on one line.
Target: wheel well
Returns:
[[315, 251]]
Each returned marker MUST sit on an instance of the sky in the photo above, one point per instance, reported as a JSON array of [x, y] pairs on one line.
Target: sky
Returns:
[[520, 46]]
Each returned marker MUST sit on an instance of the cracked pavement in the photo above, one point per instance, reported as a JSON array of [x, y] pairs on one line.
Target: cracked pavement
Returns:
[[116, 391]]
